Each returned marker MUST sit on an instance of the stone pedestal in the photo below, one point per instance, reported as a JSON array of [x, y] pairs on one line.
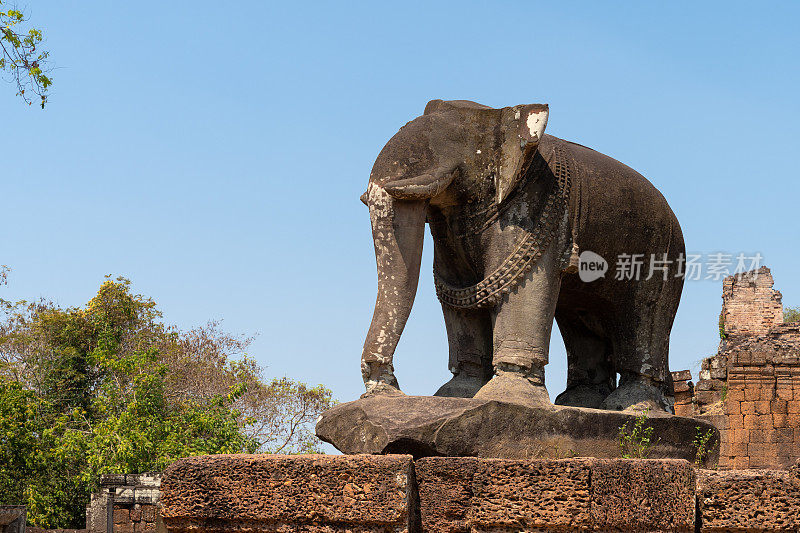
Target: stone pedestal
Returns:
[[425, 426], [395, 494]]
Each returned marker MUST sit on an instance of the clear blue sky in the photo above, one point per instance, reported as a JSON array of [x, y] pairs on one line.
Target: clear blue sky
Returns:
[[214, 152]]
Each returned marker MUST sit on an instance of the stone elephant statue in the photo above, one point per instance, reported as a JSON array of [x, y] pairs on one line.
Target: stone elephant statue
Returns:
[[510, 210]]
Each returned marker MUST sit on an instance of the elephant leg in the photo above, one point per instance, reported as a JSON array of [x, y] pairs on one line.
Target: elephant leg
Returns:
[[469, 335], [641, 351], [590, 370], [522, 324]]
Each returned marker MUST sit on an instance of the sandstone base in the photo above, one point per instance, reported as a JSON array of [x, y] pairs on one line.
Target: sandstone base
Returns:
[[425, 426]]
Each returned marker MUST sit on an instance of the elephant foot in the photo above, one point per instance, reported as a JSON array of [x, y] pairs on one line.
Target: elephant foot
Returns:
[[380, 388], [637, 394], [461, 386], [512, 384], [583, 395]]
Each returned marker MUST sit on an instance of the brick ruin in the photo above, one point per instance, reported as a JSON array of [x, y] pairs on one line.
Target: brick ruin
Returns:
[[751, 388]]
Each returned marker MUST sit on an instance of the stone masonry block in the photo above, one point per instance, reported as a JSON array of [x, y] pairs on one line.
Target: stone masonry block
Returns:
[[309, 493], [466, 495], [13, 518], [736, 395], [643, 495], [682, 375], [753, 500], [445, 492], [682, 386], [531, 494], [752, 394], [470, 495], [124, 494], [121, 516], [109, 480], [149, 513], [146, 495], [733, 407], [763, 407], [149, 479]]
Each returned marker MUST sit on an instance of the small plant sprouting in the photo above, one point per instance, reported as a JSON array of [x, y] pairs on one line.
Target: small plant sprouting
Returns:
[[700, 443], [636, 442]]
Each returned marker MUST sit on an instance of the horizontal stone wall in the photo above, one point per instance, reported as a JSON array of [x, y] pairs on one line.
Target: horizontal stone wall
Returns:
[[394, 493]]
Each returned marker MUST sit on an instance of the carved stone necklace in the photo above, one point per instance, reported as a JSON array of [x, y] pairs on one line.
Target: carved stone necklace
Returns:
[[512, 270]]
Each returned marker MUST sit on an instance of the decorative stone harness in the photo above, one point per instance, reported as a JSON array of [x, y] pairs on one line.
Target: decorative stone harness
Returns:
[[508, 275]]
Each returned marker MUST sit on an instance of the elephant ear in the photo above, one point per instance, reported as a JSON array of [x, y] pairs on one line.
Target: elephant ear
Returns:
[[522, 127]]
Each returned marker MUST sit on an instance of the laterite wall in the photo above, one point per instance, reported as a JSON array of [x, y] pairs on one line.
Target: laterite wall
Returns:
[[751, 388]]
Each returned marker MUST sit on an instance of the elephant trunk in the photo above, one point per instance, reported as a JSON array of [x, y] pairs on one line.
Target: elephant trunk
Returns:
[[398, 228]]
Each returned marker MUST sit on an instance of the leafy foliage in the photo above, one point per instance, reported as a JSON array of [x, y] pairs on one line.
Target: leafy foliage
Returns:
[[109, 388], [21, 58], [791, 314], [700, 444], [635, 443]]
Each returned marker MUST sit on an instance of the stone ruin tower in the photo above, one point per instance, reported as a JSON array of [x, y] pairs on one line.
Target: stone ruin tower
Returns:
[[750, 389], [750, 306]]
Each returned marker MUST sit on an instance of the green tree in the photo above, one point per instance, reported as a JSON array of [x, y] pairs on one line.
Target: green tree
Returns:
[[109, 388], [21, 56], [791, 314]]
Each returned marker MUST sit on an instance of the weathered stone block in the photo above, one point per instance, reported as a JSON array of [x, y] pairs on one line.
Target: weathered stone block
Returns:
[[125, 494], [643, 495], [748, 408], [764, 500], [470, 495], [149, 513], [13, 518], [310, 493], [752, 394], [121, 515], [107, 480], [736, 395], [149, 479], [684, 409], [445, 492], [681, 375], [718, 373], [531, 494], [706, 397], [146, 495], [683, 386]]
